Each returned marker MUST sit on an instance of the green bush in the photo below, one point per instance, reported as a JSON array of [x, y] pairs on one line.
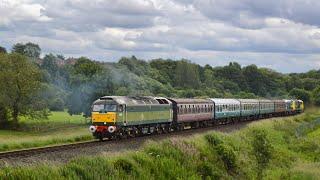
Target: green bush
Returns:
[[262, 149]]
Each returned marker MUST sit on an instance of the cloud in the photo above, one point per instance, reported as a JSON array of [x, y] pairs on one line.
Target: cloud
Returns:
[[283, 34]]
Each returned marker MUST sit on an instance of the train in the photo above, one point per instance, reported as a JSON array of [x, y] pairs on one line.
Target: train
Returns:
[[115, 117]]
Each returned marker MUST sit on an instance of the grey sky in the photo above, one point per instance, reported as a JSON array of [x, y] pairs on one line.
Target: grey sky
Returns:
[[280, 34]]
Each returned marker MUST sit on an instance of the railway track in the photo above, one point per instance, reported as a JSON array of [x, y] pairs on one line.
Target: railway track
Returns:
[[34, 151], [59, 148]]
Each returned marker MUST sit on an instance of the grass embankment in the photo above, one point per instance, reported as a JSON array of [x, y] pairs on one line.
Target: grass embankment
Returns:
[[59, 128], [284, 148]]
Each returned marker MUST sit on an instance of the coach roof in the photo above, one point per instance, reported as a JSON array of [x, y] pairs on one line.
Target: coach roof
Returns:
[[225, 101]]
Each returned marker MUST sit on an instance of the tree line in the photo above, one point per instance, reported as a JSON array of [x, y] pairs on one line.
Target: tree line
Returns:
[[32, 86]]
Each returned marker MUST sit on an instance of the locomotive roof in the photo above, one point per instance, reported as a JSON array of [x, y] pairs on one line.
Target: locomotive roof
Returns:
[[133, 100], [225, 101], [190, 101]]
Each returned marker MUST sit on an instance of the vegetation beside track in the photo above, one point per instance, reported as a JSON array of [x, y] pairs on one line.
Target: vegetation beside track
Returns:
[[59, 128], [283, 148]]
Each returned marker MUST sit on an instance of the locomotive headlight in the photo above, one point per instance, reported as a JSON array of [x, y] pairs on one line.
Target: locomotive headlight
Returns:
[[111, 129], [92, 129]]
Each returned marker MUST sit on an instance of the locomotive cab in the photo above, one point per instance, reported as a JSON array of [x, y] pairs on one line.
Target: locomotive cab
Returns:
[[300, 106], [104, 116]]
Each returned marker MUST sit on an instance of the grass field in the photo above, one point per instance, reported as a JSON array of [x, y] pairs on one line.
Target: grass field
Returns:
[[59, 128], [282, 148]]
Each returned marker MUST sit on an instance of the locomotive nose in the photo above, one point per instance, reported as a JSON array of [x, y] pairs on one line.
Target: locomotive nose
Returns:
[[92, 129]]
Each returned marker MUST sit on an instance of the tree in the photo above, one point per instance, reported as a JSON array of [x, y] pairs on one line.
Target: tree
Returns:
[[300, 94], [316, 96], [309, 83], [3, 50], [32, 50], [232, 72], [3, 116], [255, 80], [20, 83], [187, 75], [49, 63], [29, 49], [166, 68], [86, 67], [18, 48]]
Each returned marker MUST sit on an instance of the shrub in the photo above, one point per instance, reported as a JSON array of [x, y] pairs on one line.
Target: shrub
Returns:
[[124, 165], [228, 156], [224, 151], [262, 149], [213, 139], [208, 170]]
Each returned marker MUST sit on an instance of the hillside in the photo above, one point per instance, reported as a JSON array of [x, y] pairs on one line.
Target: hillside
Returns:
[[58, 83]]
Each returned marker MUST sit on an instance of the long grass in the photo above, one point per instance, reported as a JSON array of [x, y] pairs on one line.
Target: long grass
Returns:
[[286, 155], [59, 128]]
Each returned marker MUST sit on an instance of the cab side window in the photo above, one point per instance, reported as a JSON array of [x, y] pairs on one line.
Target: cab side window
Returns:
[[120, 108]]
